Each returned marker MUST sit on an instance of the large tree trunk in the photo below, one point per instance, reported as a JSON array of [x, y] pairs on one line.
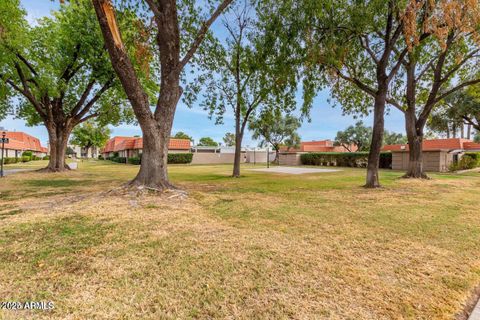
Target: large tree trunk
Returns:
[[156, 137], [414, 129], [153, 169], [377, 140], [58, 138]]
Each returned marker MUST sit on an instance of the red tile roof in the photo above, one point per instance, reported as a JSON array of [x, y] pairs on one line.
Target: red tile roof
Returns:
[[438, 144], [22, 141], [318, 146], [130, 143]]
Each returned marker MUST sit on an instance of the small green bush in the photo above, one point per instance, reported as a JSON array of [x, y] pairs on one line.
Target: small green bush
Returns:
[[475, 156], [27, 154], [26, 158], [10, 160], [134, 160], [179, 158], [35, 158], [466, 162], [100, 157], [46, 158]]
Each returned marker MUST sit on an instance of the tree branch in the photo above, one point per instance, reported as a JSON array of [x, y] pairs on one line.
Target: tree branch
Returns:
[[202, 33], [97, 96], [83, 98]]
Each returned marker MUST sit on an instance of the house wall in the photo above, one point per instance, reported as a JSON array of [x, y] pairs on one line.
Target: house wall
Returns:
[[289, 159], [257, 157], [436, 161], [214, 158]]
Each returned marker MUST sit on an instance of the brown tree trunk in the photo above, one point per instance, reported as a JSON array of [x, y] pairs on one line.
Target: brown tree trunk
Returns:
[[58, 139], [238, 154], [377, 139], [414, 129]]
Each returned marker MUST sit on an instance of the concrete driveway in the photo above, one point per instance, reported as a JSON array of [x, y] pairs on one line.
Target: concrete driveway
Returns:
[[294, 170]]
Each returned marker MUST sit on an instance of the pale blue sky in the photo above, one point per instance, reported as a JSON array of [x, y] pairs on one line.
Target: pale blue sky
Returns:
[[326, 121]]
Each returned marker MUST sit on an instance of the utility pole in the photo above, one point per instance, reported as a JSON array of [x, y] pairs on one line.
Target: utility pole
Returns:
[[3, 148]]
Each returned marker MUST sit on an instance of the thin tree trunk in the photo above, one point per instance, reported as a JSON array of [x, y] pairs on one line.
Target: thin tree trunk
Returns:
[[238, 154], [372, 180], [469, 131]]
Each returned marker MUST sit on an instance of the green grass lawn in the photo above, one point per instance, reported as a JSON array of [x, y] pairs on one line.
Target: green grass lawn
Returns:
[[268, 246]]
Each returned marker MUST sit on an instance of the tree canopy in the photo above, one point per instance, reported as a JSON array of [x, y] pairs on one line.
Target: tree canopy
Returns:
[[182, 135], [57, 73], [274, 128], [207, 142], [90, 134], [229, 139]]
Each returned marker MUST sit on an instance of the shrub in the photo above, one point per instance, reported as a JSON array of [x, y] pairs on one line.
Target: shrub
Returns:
[[466, 162], [10, 160], [134, 160], [27, 154], [100, 157], [26, 158], [46, 158], [177, 158], [35, 158], [344, 159], [475, 156]]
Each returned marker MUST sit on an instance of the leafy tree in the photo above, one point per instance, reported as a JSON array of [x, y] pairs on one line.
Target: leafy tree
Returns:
[[229, 139], [182, 135], [477, 137], [243, 75], [90, 135], [393, 138], [442, 42], [69, 151], [172, 31], [207, 142], [350, 45], [57, 73], [358, 135], [275, 129]]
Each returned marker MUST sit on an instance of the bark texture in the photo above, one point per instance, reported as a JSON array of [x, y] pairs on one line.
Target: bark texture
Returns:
[[156, 127]]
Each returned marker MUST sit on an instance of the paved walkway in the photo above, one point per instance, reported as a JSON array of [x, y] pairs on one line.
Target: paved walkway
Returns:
[[475, 315], [294, 170], [7, 172]]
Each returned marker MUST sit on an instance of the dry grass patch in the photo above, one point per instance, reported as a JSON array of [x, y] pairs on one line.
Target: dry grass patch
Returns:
[[261, 246]]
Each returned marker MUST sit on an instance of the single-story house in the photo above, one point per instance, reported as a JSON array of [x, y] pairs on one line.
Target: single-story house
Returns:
[[221, 155], [130, 147], [20, 142], [291, 156], [438, 154]]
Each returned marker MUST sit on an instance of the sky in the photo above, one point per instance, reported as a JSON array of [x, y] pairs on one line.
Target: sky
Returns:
[[325, 120]]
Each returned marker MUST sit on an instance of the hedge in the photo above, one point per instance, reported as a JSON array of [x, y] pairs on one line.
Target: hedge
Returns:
[[26, 158], [134, 160], [475, 157], [118, 159], [10, 160], [46, 158], [172, 158], [27, 153], [178, 158], [344, 159], [100, 157]]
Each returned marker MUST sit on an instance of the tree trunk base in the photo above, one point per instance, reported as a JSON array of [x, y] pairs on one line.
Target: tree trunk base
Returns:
[[49, 169], [372, 186], [157, 187], [410, 175], [135, 189]]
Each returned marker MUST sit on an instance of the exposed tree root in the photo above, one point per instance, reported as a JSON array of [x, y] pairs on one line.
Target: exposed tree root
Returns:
[[137, 190], [49, 169], [416, 176]]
